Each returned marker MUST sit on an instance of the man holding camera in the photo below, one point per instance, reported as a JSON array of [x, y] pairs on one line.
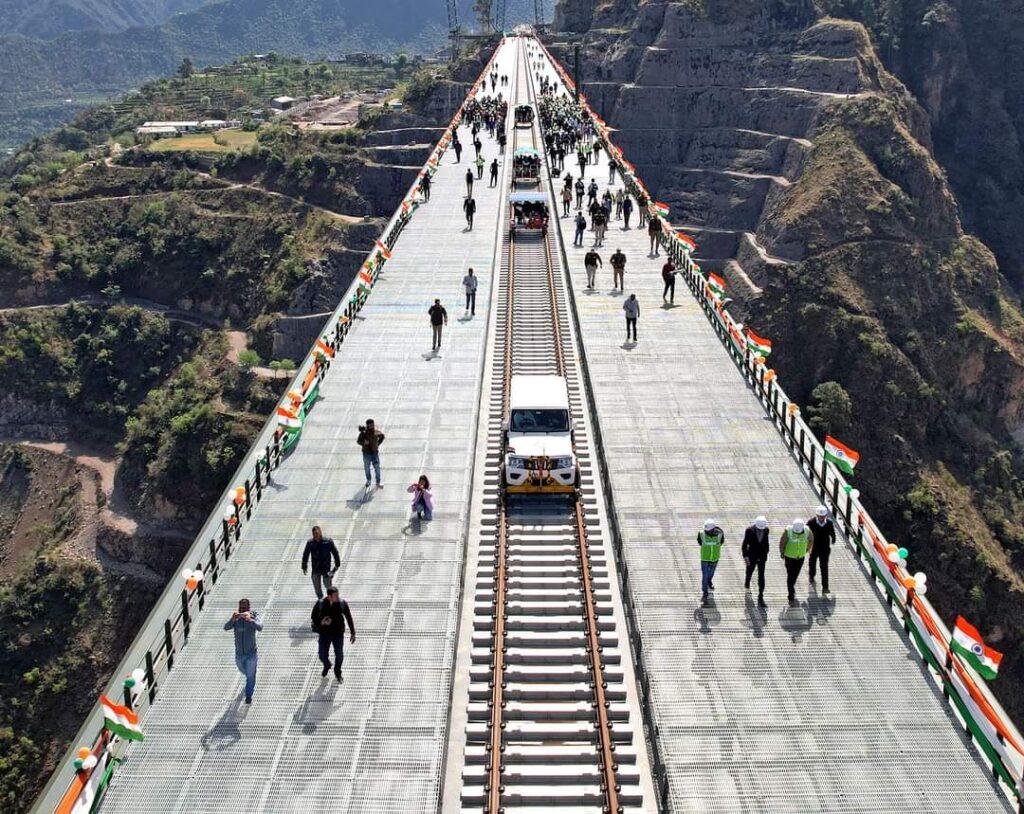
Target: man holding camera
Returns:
[[320, 550]]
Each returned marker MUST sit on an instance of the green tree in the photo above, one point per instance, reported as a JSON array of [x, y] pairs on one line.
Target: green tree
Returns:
[[186, 69], [248, 359], [830, 409]]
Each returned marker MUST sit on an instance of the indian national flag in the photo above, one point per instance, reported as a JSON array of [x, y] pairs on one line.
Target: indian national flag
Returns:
[[365, 275], [687, 241], [324, 348], [121, 720], [661, 208], [384, 250], [288, 420], [716, 284], [968, 645], [841, 455], [757, 345]]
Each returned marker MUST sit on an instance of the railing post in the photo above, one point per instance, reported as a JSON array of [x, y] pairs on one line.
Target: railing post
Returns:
[[213, 560], [248, 500], [226, 534], [150, 676], [200, 590], [186, 622], [169, 643]]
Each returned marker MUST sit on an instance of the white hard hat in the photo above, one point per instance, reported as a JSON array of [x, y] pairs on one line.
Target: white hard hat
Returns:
[[798, 525], [709, 525], [822, 511], [761, 521]]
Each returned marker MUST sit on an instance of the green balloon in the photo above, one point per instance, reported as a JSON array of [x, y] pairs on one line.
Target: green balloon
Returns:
[[903, 553]]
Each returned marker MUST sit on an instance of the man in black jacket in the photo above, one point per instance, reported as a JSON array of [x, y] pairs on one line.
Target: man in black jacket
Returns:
[[823, 530], [321, 550], [755, 548], [329, 617]]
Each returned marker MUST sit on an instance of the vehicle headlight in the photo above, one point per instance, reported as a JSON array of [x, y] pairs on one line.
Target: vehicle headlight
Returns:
[[561, 463], [517, 462]]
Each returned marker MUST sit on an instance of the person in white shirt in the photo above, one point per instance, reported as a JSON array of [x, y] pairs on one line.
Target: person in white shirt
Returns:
[[469, 283]]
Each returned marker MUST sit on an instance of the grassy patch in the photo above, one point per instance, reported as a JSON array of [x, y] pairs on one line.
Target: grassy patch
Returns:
[[222, 142]]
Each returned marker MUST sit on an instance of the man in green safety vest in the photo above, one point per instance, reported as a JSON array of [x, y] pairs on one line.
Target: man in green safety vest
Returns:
[[710, 540], [794, 545]]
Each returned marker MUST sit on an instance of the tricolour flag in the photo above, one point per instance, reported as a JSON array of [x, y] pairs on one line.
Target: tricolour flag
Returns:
[[288, 420], [968, 644], [661, 208], [687, 241], [757, 345], [324, 348], [384, 250], [121, 720], [716, 284], [841, 455], [365, 276]]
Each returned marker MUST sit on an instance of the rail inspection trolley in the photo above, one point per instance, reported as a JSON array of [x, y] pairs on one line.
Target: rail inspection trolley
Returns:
[[524, 115], [530, 212], [525, 167]]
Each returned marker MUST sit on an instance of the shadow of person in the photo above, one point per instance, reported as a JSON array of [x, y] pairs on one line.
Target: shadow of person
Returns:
[[302, 635], [310, 713], [226, 731], [820, 608], [794, 620], [755, 615], [707, 616], [363, 496], [414, 528], [432, 355], [628, 345]]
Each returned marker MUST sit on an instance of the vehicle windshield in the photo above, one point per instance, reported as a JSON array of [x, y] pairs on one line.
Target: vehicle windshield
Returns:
[[539, 421]]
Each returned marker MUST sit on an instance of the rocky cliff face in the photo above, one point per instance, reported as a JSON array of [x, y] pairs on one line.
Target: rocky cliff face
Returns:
[[807, 174]]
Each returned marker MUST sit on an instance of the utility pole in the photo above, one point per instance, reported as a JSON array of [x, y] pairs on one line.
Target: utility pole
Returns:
[[453, 27], [576, 70]]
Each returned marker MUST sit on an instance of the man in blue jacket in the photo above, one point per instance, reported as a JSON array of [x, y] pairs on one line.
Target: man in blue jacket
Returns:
[[320, 550], [245, 623]]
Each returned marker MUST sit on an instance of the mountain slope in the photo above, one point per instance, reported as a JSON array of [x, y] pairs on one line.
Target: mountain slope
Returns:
[[47, 19]]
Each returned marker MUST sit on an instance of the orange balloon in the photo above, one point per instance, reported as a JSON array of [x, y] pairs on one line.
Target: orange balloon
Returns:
[[191, 583], [910, 583], [84, 752]]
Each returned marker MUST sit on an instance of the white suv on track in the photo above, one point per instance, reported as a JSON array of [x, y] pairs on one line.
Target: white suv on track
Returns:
[[539, 455]]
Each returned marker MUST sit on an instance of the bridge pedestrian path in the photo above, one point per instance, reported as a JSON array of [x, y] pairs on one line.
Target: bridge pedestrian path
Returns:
[[374, 743], [823, 707]]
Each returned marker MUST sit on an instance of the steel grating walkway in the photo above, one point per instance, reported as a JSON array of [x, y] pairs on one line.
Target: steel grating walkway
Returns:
[[376, 742], [821, 708]]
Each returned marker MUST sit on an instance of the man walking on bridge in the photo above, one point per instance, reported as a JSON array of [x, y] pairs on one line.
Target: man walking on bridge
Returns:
[[591, 260], [425, 187], [480, 166], [823, 532], [793, 548], [469, 283], [246, 624], [438, 319], [457, 146], [618, 261], [469, 183], [469, 207], [756, 545], [581, 227], [321, 550], [710, 538], [329, 617], [668, 276], [632, 308], [494, 173], [370, 439]]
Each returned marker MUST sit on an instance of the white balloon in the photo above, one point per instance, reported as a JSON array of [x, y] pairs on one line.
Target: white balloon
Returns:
[[922, 588], [197, 575], [921, 577], [89, 762], [186, 573], [139, 675], [902, 563], [855, 493], [893, 556]]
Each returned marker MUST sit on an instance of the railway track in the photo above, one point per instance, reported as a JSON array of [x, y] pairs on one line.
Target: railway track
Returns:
[[549, 717]]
